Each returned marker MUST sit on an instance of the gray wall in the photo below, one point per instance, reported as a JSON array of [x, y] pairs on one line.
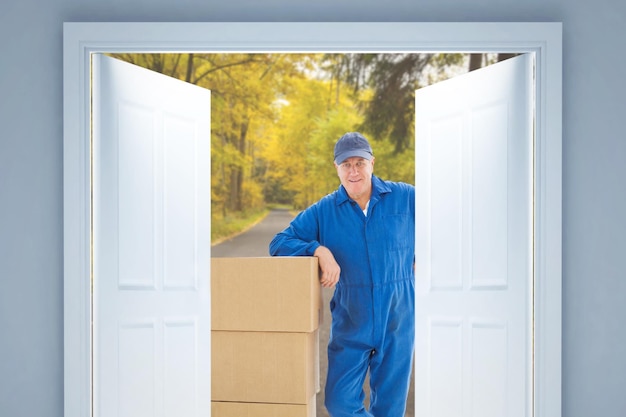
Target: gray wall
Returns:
[[31, 167]]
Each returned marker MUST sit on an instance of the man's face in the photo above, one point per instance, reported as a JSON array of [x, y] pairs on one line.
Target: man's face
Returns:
[[356, 176]]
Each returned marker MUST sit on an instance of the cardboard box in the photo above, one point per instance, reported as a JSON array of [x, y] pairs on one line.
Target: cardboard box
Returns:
[[264, 367], [271, 294], [231, 409]]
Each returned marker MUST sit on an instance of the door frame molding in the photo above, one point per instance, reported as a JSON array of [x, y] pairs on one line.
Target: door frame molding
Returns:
[[543, 39]]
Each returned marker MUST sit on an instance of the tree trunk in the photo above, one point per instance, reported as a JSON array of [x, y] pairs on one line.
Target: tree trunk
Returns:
[[243, 133], [476, 61], [189, 68], [502, 57], [237, 172], [235, 189]]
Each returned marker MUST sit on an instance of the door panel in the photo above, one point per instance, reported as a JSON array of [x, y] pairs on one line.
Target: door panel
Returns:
[[151, 228], [474, 276]]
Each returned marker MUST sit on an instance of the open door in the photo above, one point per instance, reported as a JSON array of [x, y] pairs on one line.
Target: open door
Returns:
[[151, 243], [474, 243]]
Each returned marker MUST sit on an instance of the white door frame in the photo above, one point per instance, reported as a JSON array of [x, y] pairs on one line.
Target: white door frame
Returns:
[[83, 39]]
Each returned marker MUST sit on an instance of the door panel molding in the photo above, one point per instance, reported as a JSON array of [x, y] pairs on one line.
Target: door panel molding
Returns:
[[83, 39]]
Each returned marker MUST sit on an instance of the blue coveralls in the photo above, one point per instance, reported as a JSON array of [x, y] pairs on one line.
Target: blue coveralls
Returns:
[[373, 303]]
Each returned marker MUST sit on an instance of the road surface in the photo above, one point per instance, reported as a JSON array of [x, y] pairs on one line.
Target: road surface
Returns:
[[254, 243]]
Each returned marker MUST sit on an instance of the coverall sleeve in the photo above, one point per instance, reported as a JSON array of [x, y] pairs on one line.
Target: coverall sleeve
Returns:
[[300, 238]]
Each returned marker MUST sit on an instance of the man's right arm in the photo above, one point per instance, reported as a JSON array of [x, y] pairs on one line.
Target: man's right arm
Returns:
[[300, 238], [286, 243]]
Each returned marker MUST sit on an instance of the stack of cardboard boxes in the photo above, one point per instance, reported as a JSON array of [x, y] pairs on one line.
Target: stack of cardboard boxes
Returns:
[[265, 318]]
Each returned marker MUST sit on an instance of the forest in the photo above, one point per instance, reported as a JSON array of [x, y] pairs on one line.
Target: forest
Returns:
[[275, 118]]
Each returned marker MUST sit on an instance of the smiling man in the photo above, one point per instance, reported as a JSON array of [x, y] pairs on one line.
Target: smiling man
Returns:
[[364, 237]]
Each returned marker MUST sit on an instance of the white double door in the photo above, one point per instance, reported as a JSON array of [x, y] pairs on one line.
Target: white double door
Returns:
[[151, 243], [474, 244]]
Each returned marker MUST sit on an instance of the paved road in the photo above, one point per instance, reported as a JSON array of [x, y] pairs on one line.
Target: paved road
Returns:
[[254, 243]]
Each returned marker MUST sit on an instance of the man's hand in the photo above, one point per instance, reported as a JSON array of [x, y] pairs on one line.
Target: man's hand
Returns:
[[329, 266]]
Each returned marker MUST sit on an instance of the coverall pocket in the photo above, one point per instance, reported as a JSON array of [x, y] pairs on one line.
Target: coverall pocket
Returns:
[[399, 230]]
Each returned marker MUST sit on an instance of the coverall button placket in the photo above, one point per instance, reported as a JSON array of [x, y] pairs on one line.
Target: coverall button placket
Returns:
[[371, 249], [375, 323]]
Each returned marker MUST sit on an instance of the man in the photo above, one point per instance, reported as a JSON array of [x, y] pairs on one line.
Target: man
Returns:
[[364, 237]]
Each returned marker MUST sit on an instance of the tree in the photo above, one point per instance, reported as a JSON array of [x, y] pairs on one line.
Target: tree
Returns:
[[298, 147], [243, 88], [393, 78]]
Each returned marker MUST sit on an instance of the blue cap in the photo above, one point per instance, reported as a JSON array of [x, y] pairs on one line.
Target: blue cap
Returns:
[[350, 145]]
